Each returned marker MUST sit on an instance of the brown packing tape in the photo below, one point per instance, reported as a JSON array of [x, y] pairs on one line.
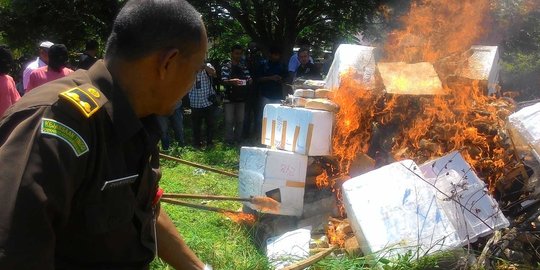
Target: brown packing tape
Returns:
[[308, 139], [272, 136], [295, 184], [295, 138], [263, 131], [283, 135]]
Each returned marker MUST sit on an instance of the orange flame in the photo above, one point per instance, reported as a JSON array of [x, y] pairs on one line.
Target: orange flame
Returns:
[[266, 204], [241, 218], [466, 119], [434, 29]]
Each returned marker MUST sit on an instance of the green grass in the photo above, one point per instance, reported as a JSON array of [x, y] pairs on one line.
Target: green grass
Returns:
[[212, 236], [227, 245]]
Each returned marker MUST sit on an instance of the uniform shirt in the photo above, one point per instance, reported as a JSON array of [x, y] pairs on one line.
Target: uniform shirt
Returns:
[[31, 67], [77, 191], [44, 75], [201, 91], [8, 93]]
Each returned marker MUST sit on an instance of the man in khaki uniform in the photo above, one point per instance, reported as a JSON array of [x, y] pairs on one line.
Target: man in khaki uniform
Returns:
[[78, 158]]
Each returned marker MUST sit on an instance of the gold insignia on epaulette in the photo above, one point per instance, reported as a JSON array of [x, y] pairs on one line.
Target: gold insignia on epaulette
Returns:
[[82, 100], [94, 92]]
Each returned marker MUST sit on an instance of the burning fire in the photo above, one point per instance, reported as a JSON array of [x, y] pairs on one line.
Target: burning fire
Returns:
[[241, 218], [425, 127]]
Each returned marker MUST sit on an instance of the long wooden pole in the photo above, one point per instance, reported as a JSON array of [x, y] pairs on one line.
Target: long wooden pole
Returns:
[[209, 197], [197, 206], [197, 165]]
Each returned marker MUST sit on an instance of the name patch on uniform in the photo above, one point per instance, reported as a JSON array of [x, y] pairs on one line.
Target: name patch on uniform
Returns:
[[65, 133], [119, 182]]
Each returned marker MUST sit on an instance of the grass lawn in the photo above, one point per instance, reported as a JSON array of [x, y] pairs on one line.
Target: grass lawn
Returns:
[[216, 239]]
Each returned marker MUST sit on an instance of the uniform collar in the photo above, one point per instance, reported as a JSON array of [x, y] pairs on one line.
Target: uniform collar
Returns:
[[120, 111]]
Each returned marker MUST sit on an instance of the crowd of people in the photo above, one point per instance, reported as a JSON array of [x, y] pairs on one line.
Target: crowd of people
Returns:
[[236, 91]]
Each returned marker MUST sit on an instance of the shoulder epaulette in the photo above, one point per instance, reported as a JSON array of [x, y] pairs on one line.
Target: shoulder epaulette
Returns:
[[86, 98]]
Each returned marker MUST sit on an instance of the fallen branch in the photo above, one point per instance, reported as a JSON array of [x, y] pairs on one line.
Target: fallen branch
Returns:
[[197, 165], [311, 260]]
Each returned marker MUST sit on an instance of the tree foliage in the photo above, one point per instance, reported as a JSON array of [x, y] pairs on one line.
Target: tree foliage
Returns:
[[519, 23], [27, 22], [283, 22]]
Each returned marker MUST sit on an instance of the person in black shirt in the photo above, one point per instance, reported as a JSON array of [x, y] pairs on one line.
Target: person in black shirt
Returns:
[[306, 70], [270, 78], [88, 57]]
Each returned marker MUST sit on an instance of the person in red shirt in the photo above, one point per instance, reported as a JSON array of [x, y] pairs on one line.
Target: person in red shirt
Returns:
[[8, 91], [58, 57]]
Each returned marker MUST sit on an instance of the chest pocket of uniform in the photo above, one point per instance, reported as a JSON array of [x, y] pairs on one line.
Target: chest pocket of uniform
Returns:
[[114, 210]]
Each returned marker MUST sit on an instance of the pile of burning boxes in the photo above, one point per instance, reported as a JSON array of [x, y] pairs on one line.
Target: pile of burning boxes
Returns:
[[398, 208]]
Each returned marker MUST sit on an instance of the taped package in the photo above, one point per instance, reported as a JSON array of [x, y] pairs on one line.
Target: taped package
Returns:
[[277, 174], [405, 219], [464, 197], [360, 60], [303, 131], [525, 130], [438, 206]]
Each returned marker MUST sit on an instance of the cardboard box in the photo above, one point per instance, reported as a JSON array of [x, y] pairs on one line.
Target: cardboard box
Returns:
[[410, 79], [482, 64], [525, 130], [303, 131], [278, 174], [464, 198], [393, 211], [358, 59]]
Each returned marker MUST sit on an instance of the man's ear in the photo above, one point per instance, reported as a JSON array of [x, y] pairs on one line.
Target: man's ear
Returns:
[[167, 60]]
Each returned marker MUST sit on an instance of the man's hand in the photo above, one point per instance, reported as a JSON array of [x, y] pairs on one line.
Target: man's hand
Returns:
[[235, 82]]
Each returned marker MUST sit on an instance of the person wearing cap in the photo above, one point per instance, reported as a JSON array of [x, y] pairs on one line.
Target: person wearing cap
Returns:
[[41, 61], [56, 69], [79, 181]]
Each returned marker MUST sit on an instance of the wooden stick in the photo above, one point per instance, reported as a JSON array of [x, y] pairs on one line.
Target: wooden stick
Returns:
[[311, 260], [196, 165], [209, 197], [197, 206]]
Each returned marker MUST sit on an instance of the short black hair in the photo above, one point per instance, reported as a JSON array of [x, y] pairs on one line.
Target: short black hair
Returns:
[[91, 45], [146, 26], [303, 49], [237, 47], [58, 56], [6, 60]]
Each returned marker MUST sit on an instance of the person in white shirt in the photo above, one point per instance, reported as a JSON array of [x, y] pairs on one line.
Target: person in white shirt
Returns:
[[41, 61]]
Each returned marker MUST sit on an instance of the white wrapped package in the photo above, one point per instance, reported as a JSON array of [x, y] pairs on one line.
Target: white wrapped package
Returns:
[[278, 174], [288, 248], [483, 65], [393, 211], [464, 198], [359, 59], [524, 126], [303, 131]]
